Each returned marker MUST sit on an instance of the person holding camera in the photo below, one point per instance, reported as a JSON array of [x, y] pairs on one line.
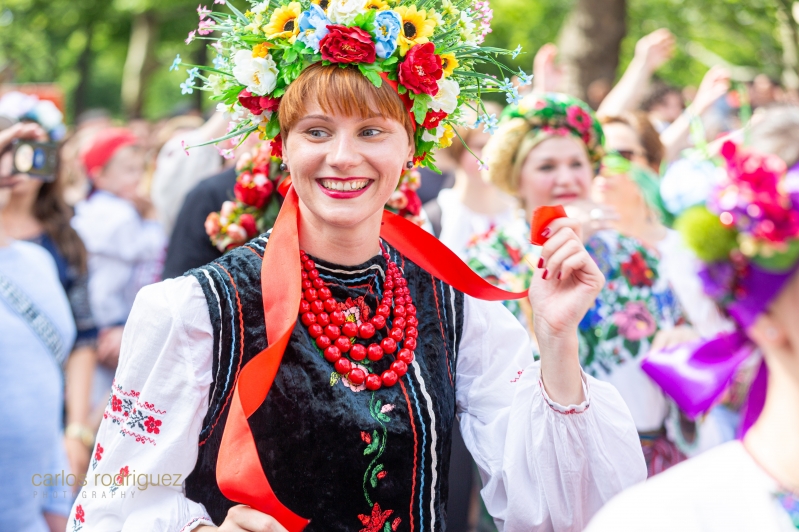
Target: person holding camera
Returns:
[[36, 332]]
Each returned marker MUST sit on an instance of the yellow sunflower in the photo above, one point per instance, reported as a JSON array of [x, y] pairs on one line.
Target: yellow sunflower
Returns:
[[416, 27], [378, 5], [448, 64], [284, 23], [324, 4]]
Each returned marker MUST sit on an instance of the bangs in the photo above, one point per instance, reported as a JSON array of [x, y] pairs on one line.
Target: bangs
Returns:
[[342, 91]]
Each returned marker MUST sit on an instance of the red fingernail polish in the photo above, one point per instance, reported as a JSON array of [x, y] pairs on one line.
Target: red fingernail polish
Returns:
[[541, 262], [545, 232], [559, 275], [544, 277]]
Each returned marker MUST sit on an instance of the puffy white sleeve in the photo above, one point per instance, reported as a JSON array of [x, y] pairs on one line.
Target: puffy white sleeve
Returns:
[[147, 442], [544, 466]]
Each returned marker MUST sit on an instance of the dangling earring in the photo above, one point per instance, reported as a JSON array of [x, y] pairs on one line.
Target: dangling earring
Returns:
[[283, 167], [409, 165]]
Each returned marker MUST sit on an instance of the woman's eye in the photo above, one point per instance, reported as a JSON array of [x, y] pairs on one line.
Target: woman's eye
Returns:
[[370, 132], [317, 133], [577, 164], [546, 168]]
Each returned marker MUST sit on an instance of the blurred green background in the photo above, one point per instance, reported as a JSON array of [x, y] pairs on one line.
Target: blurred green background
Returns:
[[92, 48]]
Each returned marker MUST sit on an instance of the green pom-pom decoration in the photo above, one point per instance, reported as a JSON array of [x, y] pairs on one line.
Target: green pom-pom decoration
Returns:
[[779, 261], [704, 233]]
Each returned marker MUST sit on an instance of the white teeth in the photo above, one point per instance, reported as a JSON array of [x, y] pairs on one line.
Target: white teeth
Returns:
[[344, 186]]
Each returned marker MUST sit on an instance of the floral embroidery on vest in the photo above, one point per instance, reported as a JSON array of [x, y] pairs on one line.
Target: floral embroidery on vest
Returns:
[[98, 455], [127, 410], [79, 519]]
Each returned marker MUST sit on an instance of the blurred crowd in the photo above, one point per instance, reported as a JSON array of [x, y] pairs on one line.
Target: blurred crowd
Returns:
[[128, 204]]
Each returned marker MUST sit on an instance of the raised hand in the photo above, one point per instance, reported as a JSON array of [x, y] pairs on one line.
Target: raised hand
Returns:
[[547, 74], [655, 49]]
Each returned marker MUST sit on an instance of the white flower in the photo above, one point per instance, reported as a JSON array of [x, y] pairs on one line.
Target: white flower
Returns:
[[466, 28], [437, 134], [260, 8], [259, 74], [449, 9], [217, 83], [345, 11], [447, 97]]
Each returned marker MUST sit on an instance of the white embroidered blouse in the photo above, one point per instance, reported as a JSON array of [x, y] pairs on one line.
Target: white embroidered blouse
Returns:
[[544, 466]]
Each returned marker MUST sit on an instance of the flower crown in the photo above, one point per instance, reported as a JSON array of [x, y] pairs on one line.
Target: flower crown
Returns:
[[749, 222], [429, 49]]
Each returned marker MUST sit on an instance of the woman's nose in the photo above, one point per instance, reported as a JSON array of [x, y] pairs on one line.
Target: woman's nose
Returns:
[[343, 153]]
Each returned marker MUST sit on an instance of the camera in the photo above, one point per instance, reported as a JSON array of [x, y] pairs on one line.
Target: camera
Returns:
[[37, 159]]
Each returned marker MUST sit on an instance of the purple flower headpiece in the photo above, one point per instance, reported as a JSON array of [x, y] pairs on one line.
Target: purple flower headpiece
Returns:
[[747, 236]]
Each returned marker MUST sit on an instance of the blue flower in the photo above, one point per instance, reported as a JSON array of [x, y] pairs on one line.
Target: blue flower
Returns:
[[193, 73], [524, 79], [187, 87], [313, 26], [512, 96], [219, 62], [387, 27], [489, 123], [175, 63], [516, 52]]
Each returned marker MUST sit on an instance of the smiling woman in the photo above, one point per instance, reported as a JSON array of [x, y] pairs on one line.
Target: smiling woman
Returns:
[[310, 379]]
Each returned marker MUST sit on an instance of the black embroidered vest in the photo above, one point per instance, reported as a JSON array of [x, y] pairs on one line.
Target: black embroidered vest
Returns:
[[347, 460]]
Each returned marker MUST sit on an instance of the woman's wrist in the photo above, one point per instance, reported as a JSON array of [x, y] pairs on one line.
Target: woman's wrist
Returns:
[[560, 365]]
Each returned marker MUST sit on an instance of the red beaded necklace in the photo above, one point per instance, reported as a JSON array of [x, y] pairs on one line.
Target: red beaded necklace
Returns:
[[335, 336]]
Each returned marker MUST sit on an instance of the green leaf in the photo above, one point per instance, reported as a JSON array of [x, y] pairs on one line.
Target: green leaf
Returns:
[[273, 127], [289, 55], [390, 61], [419, 109], [383, 417], [372, 447], [378, 468], [366, 21], [386, 527], [334, 377], [370, 74]]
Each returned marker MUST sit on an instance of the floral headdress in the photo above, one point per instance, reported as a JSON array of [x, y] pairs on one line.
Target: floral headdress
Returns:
[[427, 49], [746, 233], [538, 117]]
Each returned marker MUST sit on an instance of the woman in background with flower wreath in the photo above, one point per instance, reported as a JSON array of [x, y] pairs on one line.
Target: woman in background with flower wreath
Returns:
[[310, 378], [746, 231], [547, 151]]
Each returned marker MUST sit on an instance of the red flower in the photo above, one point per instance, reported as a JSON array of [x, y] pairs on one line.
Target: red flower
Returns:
[[79, 515], [152, 424], [635, 322], [637, 271], [98, 454], [367, 439], [116, 404], [247, 222], [347, 45], [258, 104], [382, 475], [253, 190], [277, 146], [414, 205], [578, 118], [421, 69], [375, 522], [433, 118], [123, 473]]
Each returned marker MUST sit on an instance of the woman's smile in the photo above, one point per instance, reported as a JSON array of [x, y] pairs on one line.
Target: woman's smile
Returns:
[[337, 188]]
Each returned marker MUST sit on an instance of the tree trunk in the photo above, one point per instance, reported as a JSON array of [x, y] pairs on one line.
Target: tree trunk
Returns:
[[83, 66], [589, 44], [138, 64], [788, 37]]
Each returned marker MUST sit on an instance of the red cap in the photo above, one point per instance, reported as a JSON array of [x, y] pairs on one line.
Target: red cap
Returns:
[[104, 146]]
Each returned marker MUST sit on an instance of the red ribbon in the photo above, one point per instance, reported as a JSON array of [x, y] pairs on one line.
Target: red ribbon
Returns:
[[239, 473]]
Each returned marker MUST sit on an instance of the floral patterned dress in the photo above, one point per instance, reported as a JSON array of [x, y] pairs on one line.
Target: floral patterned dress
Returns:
[[634, 305]]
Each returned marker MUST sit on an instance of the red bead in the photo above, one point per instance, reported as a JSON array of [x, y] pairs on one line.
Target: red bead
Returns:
[[324, 293], [304, 274], [309, 265], [332, 332], [323, 319], [331, 305], [383, 310], [388, 293], [366, 330], [410, 310], [317, 307], [411, 332], [304, 256], [357, 376], [399, 323], [399, 300], [378, 321], [343, 366], [358, 352], [315, 330], [389, 284], [386, 303], [399, 367], [350, 329], [396, 334], [332, 353], [389, 378], [389, 345], [399, 311], [306, 284], [337, 317], [374, 352], [318, 283], [304, 306], [323, 342], [313, 274], [410, 343], [412, 321], [308, 319], [343, 343], [405, 355], [373, 382], [401, 281], [311, 295]]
